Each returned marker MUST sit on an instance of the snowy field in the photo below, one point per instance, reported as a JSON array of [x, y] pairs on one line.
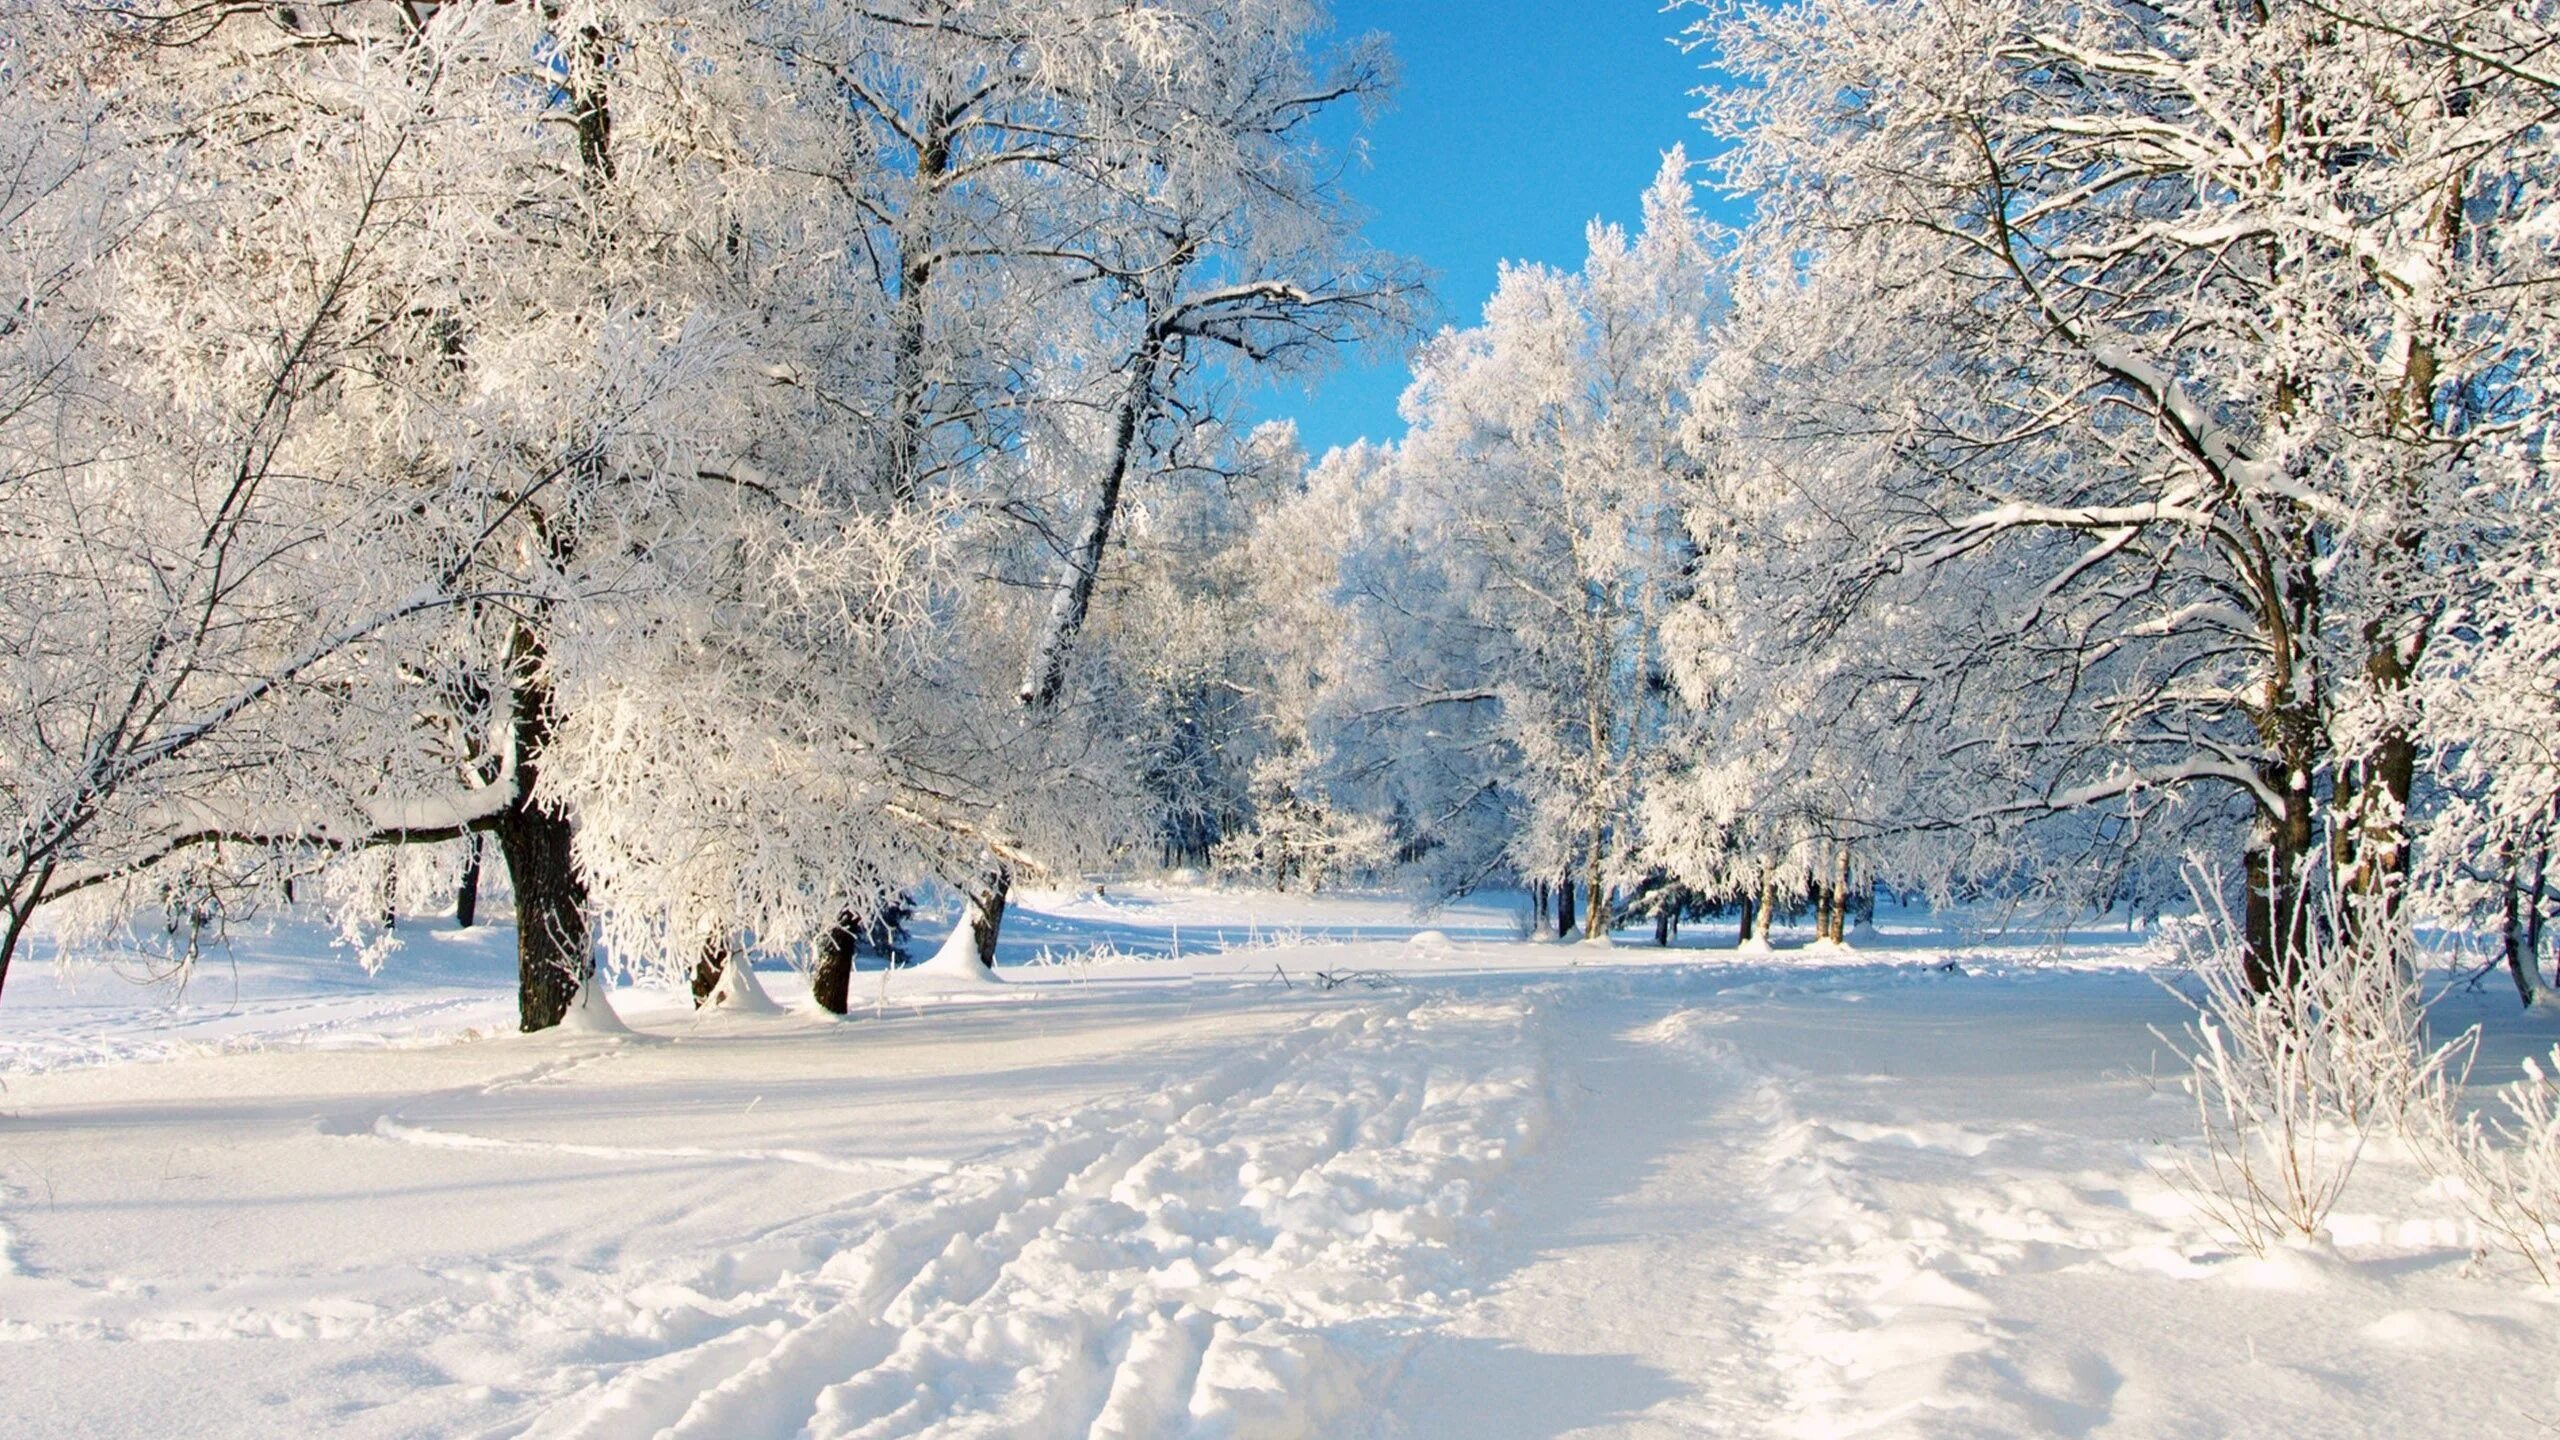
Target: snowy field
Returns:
[[1171, 1183]]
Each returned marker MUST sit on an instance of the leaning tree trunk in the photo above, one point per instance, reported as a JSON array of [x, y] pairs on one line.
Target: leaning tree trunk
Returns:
[[1044, 680], [2533, 911], [18, 910]]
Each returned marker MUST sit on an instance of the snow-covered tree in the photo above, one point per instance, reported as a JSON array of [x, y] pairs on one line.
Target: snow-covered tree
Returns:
[[1518, 561], [229, 514], [2211, 299]]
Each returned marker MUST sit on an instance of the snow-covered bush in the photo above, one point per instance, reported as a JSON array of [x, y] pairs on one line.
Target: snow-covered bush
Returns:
[[2507, 1170], [2292, 1083]]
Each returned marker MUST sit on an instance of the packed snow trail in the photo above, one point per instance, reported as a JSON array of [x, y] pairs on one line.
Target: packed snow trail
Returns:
[[1897, 1202], [1229, 1256]]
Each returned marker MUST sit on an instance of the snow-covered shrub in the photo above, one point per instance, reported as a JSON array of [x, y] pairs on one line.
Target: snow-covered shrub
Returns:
[[2507, 1171], [2293, 1082]]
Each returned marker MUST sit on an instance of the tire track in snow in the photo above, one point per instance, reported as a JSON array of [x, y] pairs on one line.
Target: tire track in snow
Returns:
[[1229, 1256]]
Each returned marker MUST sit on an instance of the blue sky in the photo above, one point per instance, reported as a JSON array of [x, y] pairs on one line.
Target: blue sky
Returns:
[[1517, 122]]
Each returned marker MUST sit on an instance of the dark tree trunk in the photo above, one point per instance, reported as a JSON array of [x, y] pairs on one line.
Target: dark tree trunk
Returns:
[[831, 982], [2533, 911], [18, 907], [18, 913], [985, 912], [466, 896], [1662, 927], [2274, 921], [2521, 932], [1564, 907], [2511, 932], [709, 967], [1750, 917], [910, 383], [539, 846], [552, 959]]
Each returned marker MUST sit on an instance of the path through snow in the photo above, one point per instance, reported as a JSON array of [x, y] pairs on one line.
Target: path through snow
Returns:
[[1515, 1191]]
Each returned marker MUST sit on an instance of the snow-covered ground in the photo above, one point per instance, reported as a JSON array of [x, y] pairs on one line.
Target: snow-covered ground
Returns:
[[1236, 1166]]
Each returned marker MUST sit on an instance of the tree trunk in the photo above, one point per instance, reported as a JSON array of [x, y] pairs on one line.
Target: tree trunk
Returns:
[[1564, 907], [831, 980], [1046, 678], [919, 246], [2375, 837], [19, 912], [707, 970], [1595, 912], [2274, 922], [1840, 897], [1769, 912], [552, 958], [466, 896], [985, 913], [2533, 910], [536, 841], [2520, 959], [1662, 927]]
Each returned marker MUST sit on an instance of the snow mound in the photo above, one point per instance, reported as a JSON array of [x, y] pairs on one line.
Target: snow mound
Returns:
[[953, 970], [2448, 1330], [1429, 945], [741, 992], [592, 1013]]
